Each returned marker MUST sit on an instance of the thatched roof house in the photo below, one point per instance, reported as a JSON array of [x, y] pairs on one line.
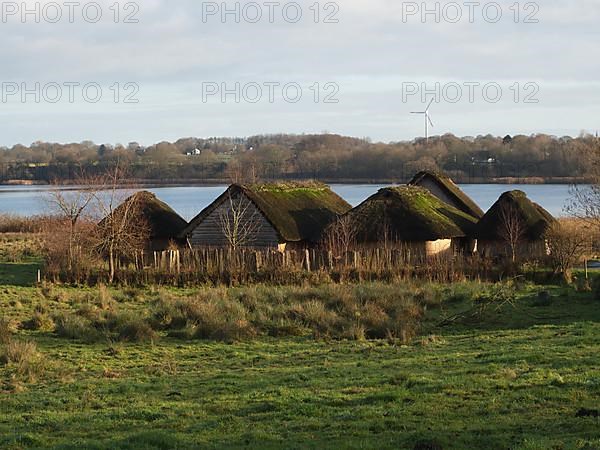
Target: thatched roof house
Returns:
[[267, 215], [514, 217], [411, 214], [444, 188], [161, 223]]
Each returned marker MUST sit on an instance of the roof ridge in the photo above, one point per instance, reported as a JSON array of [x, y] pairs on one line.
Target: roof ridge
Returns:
[[451, 188]]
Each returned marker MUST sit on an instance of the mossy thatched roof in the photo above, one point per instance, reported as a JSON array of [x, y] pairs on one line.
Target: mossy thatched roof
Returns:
[[410, 214], [162, 221], [297, 211], [464, 202], [535, 219]]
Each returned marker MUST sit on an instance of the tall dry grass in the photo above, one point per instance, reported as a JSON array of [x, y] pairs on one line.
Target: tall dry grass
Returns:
[[23, 358], [395, 312], [368, 311], [11, 223], [6, 331]]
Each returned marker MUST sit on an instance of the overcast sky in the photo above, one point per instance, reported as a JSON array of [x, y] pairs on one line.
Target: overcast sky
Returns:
[[360, 66]]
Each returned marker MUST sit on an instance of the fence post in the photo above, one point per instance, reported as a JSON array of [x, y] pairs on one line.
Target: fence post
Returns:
[[258, 261]]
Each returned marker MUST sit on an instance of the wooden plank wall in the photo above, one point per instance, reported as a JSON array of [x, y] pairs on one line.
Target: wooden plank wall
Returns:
[[209, 232]]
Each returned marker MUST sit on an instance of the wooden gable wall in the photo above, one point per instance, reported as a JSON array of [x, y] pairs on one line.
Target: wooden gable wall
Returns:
[[209, 232]]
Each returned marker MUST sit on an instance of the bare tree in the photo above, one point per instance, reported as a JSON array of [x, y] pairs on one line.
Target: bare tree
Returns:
[[71, 206], [123, 230], [341, 236], [585, 202], [511, 228], [569, 242], [239, 221]]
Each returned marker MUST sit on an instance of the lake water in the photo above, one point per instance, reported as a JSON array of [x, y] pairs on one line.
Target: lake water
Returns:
[[189, 201]]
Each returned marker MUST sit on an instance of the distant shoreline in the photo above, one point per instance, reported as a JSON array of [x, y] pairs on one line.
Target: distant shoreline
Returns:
[[219, 182]]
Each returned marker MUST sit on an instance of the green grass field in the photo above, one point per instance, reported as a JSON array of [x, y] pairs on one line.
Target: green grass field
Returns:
[[515, 376]]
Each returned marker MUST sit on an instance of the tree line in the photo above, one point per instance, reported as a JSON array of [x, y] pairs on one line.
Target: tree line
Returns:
[[324, 156]]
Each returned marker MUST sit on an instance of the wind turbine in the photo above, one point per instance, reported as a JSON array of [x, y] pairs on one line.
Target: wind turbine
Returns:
[[427, 120]]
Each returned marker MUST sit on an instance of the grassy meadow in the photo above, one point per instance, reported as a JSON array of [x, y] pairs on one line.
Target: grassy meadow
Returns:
[[375, 365]]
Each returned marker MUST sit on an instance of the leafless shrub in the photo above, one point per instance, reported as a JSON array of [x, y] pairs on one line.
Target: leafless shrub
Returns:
[[568, 242], [58, 244], [71, 206], [585, 201], [340, 237]]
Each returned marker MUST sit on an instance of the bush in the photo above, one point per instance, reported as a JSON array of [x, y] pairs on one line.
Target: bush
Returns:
[[134, 329], [5, 331], [71, 326], [166, 315], [211, 315], [568, 242], [104, 299], [224, 320], [25, 357], [39, 321], [17, 352], [91, 324], [582, 284], [375, 320], [428, 296], [90, 312], [228, 331], [315, 315], [405, 324], [356, 332]]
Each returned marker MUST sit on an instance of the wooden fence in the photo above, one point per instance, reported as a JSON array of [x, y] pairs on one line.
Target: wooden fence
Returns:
[[226, 266], [222, 260]]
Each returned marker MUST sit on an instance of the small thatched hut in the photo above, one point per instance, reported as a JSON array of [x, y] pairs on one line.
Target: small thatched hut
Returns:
[[161, 224], [411, 217], [279, 216], [444, 188], [515, 226]]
